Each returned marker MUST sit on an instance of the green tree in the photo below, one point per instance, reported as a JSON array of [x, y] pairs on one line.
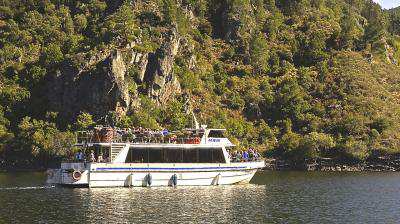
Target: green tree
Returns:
[[377, 23], [174, 116], [5, 135], [259, 53], [84, 121], [42, 140], [315, 143], [121, 27], [351, 30], [290, 101]]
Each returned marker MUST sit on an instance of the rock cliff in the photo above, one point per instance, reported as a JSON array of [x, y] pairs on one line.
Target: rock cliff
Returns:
[[101, 84], [163, 84]]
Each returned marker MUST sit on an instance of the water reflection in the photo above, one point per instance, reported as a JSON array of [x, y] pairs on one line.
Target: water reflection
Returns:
[[223, 204]]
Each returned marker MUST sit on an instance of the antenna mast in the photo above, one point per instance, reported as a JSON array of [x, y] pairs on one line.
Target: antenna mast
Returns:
[[196, 124]]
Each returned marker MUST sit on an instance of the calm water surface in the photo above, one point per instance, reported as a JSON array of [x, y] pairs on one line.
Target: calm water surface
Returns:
[[273, 197]]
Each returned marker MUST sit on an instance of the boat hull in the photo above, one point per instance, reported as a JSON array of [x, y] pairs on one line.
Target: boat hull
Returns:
[[141, 175]]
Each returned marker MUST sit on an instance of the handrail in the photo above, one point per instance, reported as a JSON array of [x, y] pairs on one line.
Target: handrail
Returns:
[[85, 137]]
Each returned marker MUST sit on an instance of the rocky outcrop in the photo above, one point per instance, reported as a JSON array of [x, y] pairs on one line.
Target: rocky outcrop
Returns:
[[100, 83], [163, 84], [141, 60], [97, 90], [390, 54], [116, 74]]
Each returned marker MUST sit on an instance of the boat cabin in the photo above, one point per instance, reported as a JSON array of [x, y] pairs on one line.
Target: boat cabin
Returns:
[[155, 154], [105, 144], [175, 155]]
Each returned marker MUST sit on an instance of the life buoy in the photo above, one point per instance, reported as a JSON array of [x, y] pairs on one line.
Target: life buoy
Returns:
[[50, 174], [76, 175]]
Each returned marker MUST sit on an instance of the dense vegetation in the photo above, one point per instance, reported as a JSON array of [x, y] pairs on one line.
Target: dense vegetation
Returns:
[[295, 78]]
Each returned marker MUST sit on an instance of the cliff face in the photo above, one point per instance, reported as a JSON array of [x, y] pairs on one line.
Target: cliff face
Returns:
[[96, 90], [101, 84], [163, 84]]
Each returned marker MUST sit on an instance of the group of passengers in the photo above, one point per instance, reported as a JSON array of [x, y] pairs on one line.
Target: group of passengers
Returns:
[[139, 134], [101, 158], [140, 131], [244, 155]]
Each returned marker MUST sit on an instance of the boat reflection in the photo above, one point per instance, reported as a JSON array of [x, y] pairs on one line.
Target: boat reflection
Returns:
[[183, 204]]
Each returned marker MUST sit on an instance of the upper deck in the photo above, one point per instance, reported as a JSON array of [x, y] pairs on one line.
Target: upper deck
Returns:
[[103, 136]]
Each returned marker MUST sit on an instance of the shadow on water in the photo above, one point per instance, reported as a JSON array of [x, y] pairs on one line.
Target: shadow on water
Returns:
[[273, 197]]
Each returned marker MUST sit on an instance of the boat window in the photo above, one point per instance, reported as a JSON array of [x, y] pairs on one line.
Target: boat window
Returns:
[[190, 155], [137, 155], [155, 155], [175, 155], [216, 134], [217, 156], [211, 155], [205, 155], [129, 157], [172, 155]]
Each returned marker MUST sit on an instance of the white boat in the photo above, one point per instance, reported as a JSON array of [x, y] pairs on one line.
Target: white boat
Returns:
[[166, 161]]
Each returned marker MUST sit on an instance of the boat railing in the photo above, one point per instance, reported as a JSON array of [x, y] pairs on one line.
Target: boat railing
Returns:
[[252, 159], [85, 137], [245, 156]]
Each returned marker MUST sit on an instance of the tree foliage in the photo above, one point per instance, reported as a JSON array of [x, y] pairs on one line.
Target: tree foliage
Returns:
[[300, 79]]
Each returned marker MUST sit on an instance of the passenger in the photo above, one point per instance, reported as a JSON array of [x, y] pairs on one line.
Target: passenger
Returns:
[[77, 156], [80, 156], [245, 156], [233, 156], [250, 154], [100, 158], [92, 158], [173, 139], [229, 154], [238, 156], [258, 156]]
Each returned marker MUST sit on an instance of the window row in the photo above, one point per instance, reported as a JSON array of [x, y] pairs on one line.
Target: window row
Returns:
[[175, 155]]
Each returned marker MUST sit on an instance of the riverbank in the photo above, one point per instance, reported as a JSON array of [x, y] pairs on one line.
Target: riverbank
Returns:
[[379, 164]]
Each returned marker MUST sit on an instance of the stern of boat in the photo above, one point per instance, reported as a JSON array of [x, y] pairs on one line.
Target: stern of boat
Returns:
[[70, 174]]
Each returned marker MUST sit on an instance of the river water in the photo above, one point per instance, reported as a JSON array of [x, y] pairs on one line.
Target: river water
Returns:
[[272, 197]]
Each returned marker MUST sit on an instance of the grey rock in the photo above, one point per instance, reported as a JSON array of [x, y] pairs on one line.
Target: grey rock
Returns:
[[97, 90], [159, 74], [99, 83]]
